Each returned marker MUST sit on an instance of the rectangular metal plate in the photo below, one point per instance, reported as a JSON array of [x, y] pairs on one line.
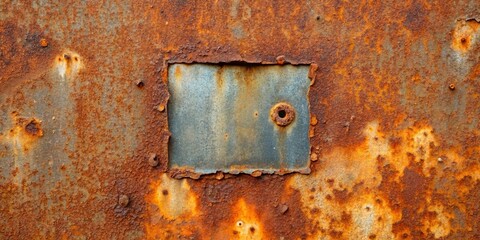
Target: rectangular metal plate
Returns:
[[220, 118]]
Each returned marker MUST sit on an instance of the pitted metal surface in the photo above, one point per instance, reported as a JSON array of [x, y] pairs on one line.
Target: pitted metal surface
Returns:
[[394, 106]]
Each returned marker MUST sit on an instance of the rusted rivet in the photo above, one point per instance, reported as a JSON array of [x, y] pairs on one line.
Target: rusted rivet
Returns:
[[43, 42], [282, 114], [123, 200], [314, 157], [283, 208], [161, 108], [313, 121], [152, 160], [463, 40], [139, 83], [281, 59], [451, 86]]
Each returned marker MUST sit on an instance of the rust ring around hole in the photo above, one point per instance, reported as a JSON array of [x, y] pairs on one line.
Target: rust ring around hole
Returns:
[[282, 114]]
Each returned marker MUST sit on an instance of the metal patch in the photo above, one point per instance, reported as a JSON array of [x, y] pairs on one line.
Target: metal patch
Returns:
[[238, 118]]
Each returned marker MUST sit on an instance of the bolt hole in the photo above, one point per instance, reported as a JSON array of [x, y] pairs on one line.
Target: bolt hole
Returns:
[[282, 114], [76, 58], [463, 40], [239, 223]]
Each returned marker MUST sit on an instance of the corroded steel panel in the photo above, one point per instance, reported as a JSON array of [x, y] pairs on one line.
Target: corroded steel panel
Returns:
[[394, 120], [220, 118]]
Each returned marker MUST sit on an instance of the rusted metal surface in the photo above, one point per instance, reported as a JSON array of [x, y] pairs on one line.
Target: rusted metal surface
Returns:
[[238, 119], [394, 120]]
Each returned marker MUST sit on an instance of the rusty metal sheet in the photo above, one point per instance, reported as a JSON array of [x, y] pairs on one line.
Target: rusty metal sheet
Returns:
[[221, 118], [394, 119]]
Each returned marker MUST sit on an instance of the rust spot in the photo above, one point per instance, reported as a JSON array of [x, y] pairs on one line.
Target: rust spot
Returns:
[[282, 114], [341, 196], [283, 208], [152, 160], [465, 35], [33, 128], [451, 86], [66, 67], [139, 83], [43, 42], [25, 133], [161, 108], [123, 200]]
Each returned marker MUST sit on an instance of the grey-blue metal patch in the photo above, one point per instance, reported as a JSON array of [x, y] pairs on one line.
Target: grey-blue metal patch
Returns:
[[238, 118]]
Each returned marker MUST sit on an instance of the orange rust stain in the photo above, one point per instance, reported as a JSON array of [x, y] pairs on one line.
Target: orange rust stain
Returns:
[[173, 198], [178, 73], [171, 202], [244, 224], [68, 64], [465, 35], [26, 131]]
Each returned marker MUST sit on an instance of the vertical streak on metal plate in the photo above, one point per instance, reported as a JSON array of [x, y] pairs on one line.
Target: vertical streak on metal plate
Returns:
[[219, 117]]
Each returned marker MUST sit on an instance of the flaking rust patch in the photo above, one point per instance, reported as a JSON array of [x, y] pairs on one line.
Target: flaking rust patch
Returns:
[[465, 35], [22, 137], [68, 64], [439, 226], [171, 203], [25, 132], [348, 197], [174, 198]]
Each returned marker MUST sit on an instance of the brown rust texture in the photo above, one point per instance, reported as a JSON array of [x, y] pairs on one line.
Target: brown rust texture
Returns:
[[396, 150]]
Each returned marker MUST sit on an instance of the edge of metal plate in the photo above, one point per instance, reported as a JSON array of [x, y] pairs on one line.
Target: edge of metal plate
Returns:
[[219, 116]]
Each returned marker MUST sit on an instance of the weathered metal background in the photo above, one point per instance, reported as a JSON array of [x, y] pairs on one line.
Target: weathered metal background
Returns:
[[394, 120]]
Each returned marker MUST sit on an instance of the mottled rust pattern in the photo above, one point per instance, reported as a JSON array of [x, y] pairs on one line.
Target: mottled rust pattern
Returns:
[[394, 120]]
